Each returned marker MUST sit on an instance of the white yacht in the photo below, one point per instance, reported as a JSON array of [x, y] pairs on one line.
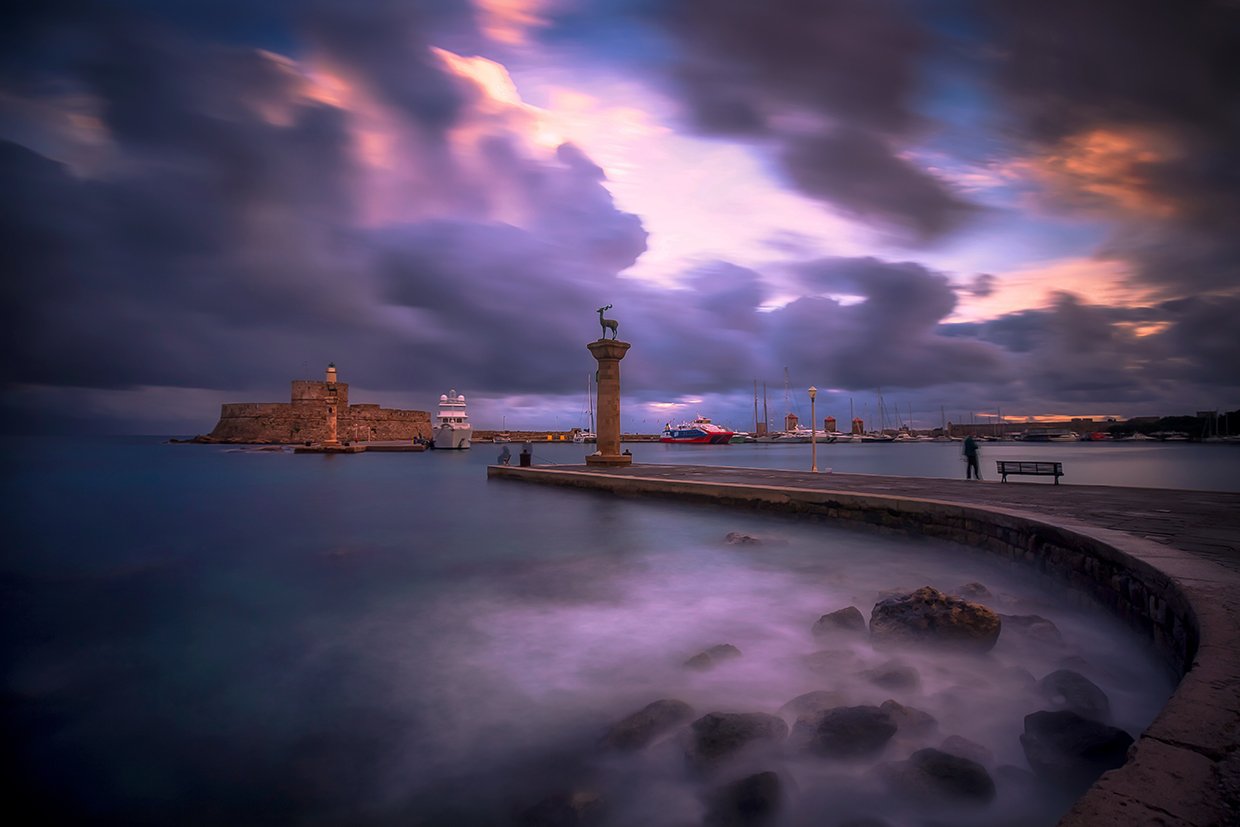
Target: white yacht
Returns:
[[452, 430]]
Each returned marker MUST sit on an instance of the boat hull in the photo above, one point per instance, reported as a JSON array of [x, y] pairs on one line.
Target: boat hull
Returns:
[[697, 439], [452, 439]]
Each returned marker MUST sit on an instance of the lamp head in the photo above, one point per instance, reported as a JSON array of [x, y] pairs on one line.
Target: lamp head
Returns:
[[812, 391]]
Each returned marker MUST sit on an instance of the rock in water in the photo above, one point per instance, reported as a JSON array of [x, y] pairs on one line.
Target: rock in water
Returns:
[[576, 809], [849, 731], [972, 591], [909, 721], [1064, 747], [641, 728], [933, 775], [813, 703], [1073, 691], [735, 538], [930, 616], [717, 736], [713, 656], [1035, 627], [958, 745], [749, 802], [893, 675], [845, 621]]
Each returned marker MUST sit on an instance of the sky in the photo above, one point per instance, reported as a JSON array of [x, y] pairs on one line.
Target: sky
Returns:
[[961, 206]]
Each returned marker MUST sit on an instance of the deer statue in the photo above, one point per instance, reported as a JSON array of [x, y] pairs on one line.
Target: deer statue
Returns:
[[608, 324]]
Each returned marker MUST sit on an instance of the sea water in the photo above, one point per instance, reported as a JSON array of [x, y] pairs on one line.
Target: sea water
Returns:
[[203, 634]]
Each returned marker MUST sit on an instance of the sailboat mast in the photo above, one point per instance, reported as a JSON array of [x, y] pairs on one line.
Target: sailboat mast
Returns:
[[755, 407], [766, 420]]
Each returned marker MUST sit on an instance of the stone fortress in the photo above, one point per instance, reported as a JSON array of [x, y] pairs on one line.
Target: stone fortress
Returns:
[[319, 412]]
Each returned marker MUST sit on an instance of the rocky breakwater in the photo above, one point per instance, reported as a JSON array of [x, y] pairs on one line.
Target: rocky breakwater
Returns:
[[919, 714]]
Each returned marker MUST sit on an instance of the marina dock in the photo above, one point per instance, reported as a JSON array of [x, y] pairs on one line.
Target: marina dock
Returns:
[[1165, 561]]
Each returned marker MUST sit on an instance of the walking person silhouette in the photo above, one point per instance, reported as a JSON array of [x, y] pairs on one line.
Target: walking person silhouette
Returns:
[[972, 469]]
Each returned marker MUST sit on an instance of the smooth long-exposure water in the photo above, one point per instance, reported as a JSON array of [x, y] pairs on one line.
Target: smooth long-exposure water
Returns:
[[199, 634]]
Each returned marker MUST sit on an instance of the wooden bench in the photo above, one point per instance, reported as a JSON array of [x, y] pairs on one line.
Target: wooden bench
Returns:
[[1029, 468]]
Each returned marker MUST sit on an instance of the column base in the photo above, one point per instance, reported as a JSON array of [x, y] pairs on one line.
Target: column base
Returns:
[[609, 460]]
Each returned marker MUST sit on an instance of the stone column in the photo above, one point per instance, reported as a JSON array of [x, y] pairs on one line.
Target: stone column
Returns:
[[608, 353], [333, 403]]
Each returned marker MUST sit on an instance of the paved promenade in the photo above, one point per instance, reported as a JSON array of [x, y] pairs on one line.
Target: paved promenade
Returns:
[[1205, 523], [1167, 561]]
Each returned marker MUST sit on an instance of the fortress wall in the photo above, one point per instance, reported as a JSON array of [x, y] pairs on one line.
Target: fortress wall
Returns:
[[310, 392], [371, 422], [296, 423]]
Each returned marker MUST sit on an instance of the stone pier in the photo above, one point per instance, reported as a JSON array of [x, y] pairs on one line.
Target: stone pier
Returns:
[[608, 353]]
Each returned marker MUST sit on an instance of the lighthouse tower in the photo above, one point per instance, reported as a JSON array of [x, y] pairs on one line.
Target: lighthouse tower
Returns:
[[333, 406]]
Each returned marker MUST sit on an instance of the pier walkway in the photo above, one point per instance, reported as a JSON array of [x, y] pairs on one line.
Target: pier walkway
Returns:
[[1205, 523], [1168, 562]]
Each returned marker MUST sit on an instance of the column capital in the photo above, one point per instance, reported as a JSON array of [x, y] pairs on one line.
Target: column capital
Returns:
[[608, 349]]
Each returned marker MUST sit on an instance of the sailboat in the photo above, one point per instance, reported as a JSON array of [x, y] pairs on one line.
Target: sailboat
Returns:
[[503, 436], [588, 436]]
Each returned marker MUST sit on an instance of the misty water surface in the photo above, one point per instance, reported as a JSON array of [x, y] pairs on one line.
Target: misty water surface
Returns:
[[209, 635]]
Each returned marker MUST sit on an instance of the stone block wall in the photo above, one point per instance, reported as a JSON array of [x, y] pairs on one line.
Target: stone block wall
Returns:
[[285, 423]]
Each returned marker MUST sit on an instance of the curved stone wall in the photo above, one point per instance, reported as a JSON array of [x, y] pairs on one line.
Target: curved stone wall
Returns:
[[1185, 768]]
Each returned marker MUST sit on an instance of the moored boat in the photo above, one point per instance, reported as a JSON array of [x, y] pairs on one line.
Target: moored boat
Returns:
[[701, 431], [452, 428]]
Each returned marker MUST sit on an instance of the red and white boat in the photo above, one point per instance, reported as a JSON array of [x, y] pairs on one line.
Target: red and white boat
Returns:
[[700, 431]]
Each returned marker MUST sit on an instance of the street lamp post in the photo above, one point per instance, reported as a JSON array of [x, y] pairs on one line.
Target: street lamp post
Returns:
[[813, 431]]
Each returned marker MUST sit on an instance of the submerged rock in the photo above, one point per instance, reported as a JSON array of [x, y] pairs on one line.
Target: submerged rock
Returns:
[[1035, 627], [1067, 689], [910, 721], [842, 621], [640, 729], [574, 809], [735, 538], [831, 661], [893, 675], [813, 703], [933, 775], [972, 591], [930, 616], [749, 802], [713, 656], [958, 745], [847, 731], [717, 736], [1065, 748]]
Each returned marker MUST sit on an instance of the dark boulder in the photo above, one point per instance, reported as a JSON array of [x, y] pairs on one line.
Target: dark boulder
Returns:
[[933, 775], [930, 616], [717, 736], [1065, 748], [736, 538], [640, 729], [713, 656], [847, 731], [842, 621], [749, 802], [1067, 689]]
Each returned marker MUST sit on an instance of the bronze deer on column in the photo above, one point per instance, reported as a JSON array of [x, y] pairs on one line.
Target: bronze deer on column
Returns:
[[608, 324]]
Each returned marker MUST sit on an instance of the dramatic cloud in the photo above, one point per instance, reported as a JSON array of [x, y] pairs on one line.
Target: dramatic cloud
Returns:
[[831, 86], [1131, 108], [201, 201]]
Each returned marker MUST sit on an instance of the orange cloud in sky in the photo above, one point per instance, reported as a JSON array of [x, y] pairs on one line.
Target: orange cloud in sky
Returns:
[[1103, 167], [1095, 280], [508, 21]]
